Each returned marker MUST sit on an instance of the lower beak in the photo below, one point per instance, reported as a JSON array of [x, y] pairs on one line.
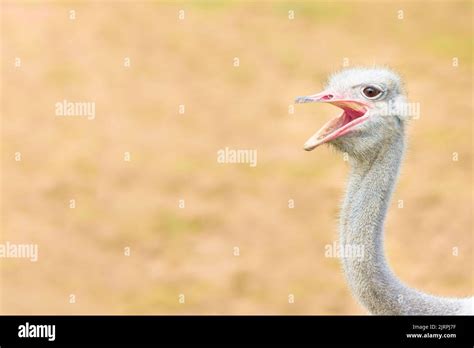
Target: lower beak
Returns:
[[354, 113]]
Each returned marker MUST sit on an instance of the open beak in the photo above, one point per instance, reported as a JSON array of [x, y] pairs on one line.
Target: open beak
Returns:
[[354, 113]]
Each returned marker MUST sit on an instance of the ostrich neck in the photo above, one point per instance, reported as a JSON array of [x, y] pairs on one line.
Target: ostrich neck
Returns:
[[363, 214], [362, 218]]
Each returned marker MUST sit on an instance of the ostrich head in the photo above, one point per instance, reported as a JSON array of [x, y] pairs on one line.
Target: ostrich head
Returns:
[[372, 101]]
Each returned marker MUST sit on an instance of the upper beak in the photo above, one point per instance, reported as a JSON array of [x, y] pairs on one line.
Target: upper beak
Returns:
[[354, 114], [326, 97], [319, 97]]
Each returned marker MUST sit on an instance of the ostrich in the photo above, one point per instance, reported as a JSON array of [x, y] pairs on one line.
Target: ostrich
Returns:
[[371, 130]]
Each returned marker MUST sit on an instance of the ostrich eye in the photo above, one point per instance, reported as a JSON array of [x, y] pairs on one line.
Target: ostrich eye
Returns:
[[371, 92]]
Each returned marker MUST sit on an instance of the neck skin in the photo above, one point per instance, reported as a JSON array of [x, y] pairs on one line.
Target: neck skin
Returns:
[[362, 218]]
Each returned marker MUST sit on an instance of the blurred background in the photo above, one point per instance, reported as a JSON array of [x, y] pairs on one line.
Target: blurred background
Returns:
[[189, 61]]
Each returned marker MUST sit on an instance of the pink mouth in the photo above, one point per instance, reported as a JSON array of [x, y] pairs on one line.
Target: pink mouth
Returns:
[[354, 113]]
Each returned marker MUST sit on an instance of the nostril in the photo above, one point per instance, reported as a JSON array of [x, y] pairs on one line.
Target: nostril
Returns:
[[327, 97]]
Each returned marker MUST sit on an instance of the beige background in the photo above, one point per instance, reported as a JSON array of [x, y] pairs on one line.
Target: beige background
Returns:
[[135, 204]]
